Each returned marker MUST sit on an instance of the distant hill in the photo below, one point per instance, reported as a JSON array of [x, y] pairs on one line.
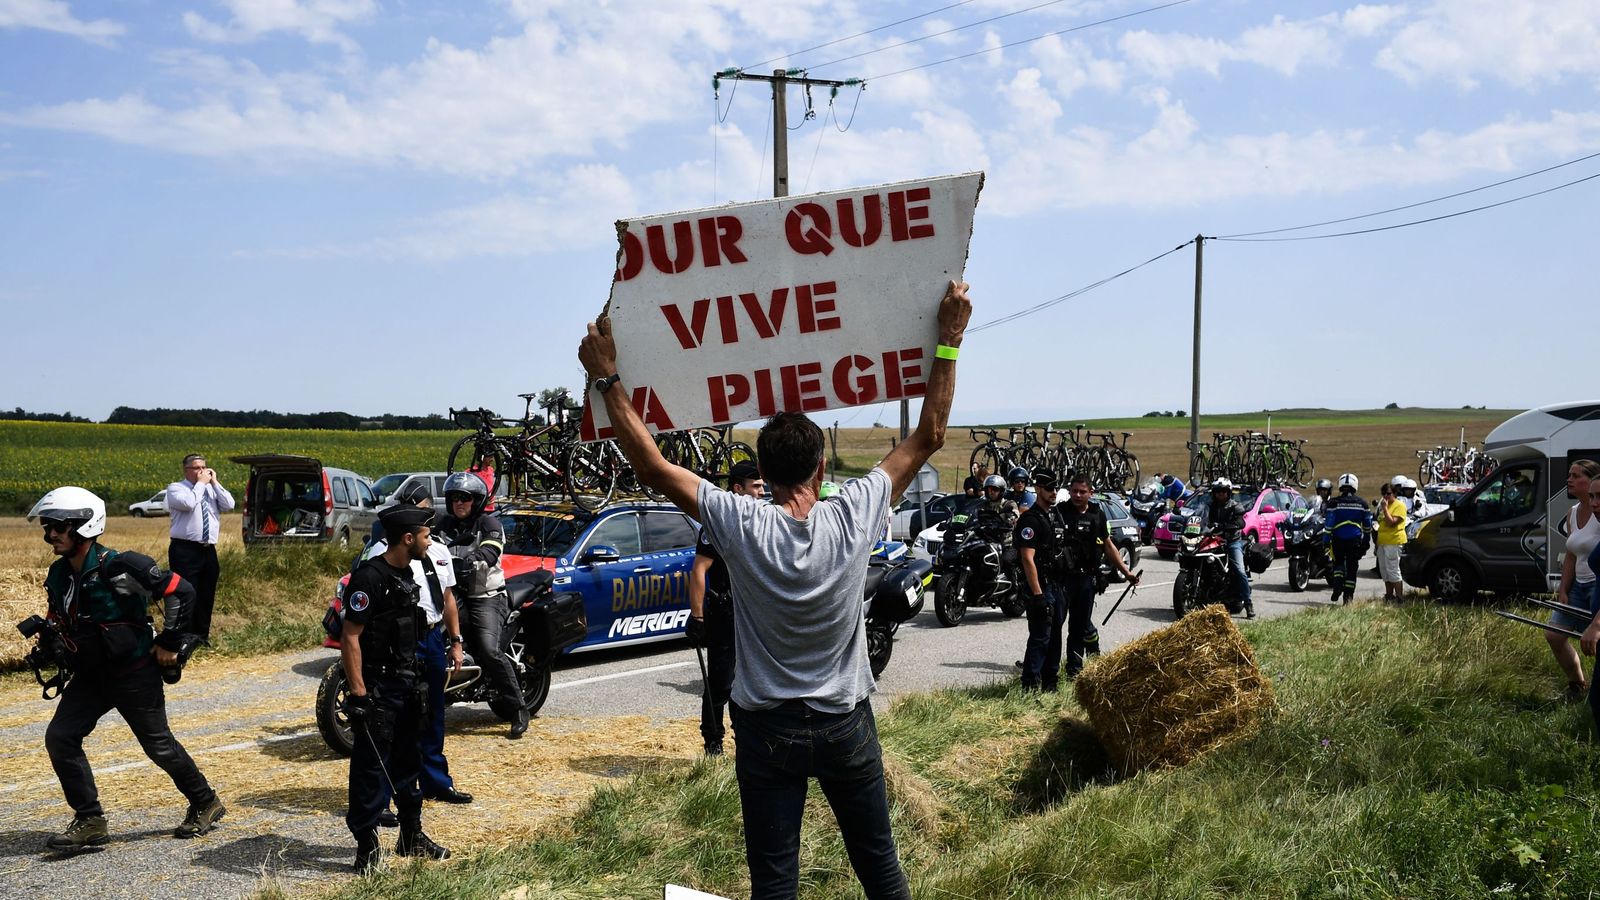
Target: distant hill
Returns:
[[1281, 419], [262, 418]]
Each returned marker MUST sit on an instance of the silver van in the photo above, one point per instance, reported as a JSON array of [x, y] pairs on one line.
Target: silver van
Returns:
[[1508, 533], [386, 487], [291, 499]]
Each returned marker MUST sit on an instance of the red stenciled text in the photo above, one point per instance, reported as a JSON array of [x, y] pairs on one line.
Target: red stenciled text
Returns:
[[854, 379], [762, 315]]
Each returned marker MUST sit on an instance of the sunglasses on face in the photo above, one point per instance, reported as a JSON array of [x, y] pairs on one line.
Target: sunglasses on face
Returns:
[[52, 527]]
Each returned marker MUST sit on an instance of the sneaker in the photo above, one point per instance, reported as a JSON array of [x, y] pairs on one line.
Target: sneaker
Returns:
[[415, 842], [85, 831], [200, 819]]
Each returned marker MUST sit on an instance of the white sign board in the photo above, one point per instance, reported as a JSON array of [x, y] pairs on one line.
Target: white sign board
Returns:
[[798, 304], [677, 892]]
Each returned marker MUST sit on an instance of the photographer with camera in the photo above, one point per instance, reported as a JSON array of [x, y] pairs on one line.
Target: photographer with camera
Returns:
[[98, 627]]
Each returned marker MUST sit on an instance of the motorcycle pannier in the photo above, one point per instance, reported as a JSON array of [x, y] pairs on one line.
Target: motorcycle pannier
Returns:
[[1258, 557], [899, 595], [556, 622]]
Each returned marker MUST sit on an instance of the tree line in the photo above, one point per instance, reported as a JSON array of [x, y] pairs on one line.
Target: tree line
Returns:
[[256, 418]]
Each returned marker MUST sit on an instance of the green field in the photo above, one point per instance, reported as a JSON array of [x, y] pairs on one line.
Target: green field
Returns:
[[126, 463]]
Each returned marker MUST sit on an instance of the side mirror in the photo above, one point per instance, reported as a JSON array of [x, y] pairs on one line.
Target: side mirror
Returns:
[[599, 553], [1450, 515], [1268, 509]]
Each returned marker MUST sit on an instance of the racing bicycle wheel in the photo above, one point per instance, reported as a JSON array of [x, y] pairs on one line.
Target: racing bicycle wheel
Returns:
[[591, 473], [470, 455]]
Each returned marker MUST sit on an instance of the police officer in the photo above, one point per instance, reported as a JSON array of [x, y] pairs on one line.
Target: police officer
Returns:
[[1085, 540], [98, 601], [1228, 518], [439, 648], [1038, 547], [710, 622], [379, 649], [1346, 520], [476, 540]]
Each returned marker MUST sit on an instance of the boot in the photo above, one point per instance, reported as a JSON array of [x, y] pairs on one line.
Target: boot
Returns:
[[415, 842], [519, 725], [85, 831], [369, 856], [1249, 610], [200, 819]]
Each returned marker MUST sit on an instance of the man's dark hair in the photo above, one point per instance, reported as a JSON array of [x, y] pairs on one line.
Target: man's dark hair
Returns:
[[1076, 477], [397, 534], [789, 449]]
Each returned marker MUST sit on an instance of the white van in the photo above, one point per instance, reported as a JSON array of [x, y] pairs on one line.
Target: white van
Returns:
[[1498, 536]]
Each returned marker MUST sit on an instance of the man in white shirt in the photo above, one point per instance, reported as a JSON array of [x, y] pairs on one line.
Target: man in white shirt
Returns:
[[196, 505]]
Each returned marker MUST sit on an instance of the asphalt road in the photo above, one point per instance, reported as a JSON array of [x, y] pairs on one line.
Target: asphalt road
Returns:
[[248, 724]]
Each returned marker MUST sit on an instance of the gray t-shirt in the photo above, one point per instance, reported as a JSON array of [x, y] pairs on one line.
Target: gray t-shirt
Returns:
[[797, 592]]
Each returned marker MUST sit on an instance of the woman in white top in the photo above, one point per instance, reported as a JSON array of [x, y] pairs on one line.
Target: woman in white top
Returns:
[[1577, 579]]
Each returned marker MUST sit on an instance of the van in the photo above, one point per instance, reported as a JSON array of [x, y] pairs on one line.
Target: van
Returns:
[[386, 487], [298, 499], [1498, 535]]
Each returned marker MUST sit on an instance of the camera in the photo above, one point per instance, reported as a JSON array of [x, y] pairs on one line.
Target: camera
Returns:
[[51, 650]]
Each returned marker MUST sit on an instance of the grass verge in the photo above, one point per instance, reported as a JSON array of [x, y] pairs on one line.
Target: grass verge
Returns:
[[1416, 751]]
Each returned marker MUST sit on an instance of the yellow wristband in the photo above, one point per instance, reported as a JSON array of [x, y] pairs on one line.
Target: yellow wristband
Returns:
[[947, 352]]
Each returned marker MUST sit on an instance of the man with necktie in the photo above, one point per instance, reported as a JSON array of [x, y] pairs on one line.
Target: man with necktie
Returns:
[[196, 505]]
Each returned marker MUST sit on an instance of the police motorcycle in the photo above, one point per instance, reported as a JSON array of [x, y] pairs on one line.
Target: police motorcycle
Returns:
[[1203, 569], [1305, 540], [975, 568], [1147, 504], [540, 625], [896, 584]]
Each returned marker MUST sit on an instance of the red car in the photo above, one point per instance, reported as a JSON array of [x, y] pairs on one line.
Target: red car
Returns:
[[1265, 510]]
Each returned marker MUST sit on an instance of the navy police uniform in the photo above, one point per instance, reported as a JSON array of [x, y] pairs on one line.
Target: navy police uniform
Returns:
[[1346, 520], [1036, 529], [1083, 537], [382, 600], [718, 612]]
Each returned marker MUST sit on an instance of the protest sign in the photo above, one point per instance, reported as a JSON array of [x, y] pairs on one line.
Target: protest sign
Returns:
[[799, 304]]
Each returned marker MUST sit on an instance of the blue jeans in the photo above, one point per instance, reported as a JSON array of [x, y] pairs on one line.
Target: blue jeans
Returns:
[[1241, 577], [1041, 661], [780, 750]]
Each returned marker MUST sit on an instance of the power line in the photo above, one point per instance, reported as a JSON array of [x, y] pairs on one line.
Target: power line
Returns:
[[852, 37], [1318, 237], [1138, 12], [925, 37], [1382, 212], [1040, 307]]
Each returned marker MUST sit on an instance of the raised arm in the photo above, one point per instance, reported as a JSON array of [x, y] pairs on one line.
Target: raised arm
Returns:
[[905, 459], [598, 353]]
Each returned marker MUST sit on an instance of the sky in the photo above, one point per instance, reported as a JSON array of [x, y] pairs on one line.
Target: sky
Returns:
[[399, 206]]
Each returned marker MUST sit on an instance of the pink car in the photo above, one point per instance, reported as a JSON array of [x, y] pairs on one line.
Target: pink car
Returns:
[[1264, 512]]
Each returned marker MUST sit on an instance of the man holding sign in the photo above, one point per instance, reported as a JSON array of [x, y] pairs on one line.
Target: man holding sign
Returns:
[[798, 572]]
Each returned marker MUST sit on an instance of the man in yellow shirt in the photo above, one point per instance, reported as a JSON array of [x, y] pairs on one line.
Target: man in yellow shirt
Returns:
[[1391, 537]]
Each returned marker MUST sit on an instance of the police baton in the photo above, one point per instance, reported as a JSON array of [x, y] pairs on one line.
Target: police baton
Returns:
[[1125, 591], [705, 680]]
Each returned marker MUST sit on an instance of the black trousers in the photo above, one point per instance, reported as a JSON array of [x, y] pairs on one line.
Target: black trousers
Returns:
[[140, 697], [483, 624], [197, 564], [1077, 591], [1347, 553], [718, 689], [386, 753]]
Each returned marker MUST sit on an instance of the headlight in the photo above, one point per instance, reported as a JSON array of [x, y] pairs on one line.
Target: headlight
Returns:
[[921, 543]]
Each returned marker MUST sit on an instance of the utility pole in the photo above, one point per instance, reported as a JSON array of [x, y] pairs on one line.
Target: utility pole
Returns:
[[780, 79], [1194, 396]]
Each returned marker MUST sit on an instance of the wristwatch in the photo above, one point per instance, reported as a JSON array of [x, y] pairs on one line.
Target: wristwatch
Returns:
[[453, 639], [604, 384]]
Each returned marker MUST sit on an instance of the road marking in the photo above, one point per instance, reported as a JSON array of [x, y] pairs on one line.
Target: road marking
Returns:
[[598, 678]]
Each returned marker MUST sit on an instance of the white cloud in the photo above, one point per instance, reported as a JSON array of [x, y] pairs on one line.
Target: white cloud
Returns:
[[1522, 44], [56, 15], [1072, 66], [318, 21], [1284, 46]]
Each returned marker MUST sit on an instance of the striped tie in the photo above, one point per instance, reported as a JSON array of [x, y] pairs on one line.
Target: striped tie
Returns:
[[205, 521]]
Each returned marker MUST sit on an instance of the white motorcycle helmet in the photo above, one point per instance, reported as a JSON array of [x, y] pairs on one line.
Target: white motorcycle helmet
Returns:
[[72, 504], [1350, 481], [1399, 481]]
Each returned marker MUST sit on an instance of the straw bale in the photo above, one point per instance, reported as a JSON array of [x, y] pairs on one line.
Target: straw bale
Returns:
[[1175, 694]]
